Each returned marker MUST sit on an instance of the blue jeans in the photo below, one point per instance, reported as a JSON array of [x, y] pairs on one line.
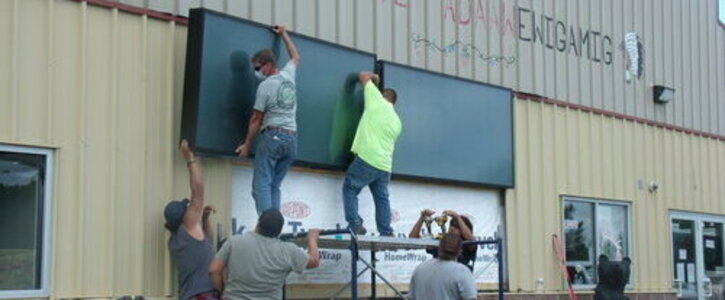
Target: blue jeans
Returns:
[[275, 153], [361, 174]]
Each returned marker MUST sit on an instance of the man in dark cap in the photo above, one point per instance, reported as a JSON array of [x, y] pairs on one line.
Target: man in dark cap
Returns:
[[257, 263], [190, 241], [443, 278]]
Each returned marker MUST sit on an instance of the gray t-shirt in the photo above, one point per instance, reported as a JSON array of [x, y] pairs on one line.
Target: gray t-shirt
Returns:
[[257, 266], [442, 280], [192, 258], [277, 98]]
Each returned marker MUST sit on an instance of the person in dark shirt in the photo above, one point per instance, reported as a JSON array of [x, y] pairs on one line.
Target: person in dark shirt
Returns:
[[460, 225], [190, 241], [613, 278]]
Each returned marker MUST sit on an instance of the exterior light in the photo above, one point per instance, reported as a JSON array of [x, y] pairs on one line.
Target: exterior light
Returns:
[[663, 94]]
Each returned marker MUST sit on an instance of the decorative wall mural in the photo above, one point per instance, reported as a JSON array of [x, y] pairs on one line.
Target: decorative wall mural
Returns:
[[499, 16], [466, 50], [633, 53], [398, 3]]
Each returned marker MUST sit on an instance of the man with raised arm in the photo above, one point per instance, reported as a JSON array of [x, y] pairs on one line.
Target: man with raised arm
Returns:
[[274, 115], [257, 262], [373, 146], [460, 226], [190, 243]]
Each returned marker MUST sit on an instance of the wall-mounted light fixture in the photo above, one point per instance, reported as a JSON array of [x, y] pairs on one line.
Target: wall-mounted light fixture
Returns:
[[653, 186], [663, 94]]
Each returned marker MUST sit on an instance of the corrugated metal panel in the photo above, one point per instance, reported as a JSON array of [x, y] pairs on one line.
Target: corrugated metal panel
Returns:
[[346, 17], [560, 151], [105, 87], [720, 69], [102, 87], [679, 40], [441, 35]]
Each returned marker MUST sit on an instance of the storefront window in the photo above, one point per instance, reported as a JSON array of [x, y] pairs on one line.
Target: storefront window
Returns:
[[712, 243], [592, 228], [612, 231], [24, 190]]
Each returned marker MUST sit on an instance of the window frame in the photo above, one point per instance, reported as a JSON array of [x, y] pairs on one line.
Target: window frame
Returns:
[[596, 202], [47, 212], [697, 218]]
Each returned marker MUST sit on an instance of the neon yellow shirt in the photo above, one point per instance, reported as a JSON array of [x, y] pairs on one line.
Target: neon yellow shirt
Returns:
[[377, 131]]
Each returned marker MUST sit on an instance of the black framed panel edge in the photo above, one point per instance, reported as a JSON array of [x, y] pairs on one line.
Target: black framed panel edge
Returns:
[[380, 70], [291, 33], [192, 79]]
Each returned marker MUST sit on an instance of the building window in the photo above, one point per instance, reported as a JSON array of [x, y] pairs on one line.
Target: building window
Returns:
[[25, 190], [592, 228]]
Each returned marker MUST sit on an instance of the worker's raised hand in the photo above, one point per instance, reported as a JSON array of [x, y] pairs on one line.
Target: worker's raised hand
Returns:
[[242, 150], [427, 213], [450, 213], [208, 210], [279, 29], [376, 79], [185, 151]]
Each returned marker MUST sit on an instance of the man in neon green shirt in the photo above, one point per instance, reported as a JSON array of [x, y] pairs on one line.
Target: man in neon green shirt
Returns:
[[373, 147]]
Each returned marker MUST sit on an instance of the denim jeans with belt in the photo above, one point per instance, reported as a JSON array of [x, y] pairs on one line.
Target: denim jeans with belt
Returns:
[[359, 175], [275, 153]]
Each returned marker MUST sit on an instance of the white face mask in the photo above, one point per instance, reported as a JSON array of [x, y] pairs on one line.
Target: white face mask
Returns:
[[260, 75]]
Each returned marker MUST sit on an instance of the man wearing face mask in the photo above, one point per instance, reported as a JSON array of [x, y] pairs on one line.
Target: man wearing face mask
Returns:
[[274, 115]]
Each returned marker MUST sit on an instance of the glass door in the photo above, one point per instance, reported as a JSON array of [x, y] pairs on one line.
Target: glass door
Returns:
[[684, 258], [698, 256], [713, 272]]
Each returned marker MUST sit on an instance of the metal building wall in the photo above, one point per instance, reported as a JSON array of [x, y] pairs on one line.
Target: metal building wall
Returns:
[[682, 42], [564, 151], [104, 88]]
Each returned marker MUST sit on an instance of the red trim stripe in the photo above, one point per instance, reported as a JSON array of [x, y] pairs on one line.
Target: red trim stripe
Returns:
[[138, 10], [521, 95], [538, 98]]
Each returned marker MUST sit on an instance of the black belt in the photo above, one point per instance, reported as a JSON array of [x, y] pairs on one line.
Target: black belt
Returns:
[[279, 129]]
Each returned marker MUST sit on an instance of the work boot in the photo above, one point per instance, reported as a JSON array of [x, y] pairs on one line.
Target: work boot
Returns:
[[359, 230]]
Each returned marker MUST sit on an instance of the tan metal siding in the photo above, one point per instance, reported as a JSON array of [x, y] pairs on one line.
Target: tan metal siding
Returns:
[[104, 88], [618, 102], [8, 78], [562, 151], [720, 69]]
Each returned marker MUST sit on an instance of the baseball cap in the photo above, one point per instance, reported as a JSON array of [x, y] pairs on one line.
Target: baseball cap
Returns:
[[450, 244], [174, 213]]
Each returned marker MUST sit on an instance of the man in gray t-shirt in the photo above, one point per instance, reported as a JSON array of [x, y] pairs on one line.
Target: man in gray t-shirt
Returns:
[[274, 115], [443, 278], [190, 241], [257, 263]]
